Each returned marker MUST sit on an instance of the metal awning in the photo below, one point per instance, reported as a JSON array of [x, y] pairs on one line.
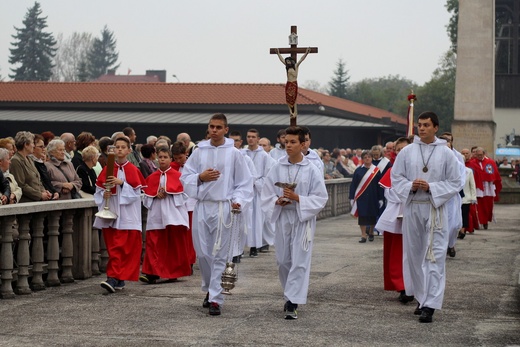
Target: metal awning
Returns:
[[251, 119]]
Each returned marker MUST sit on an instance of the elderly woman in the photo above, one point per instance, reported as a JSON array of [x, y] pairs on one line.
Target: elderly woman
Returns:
[[39, 156], [15, 193], [63, 176], [24, 172], [86, 171], [8, 143]]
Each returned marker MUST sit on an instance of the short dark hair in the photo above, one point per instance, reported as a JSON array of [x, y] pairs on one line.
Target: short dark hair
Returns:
[[123, 138], [104, 142], [147, 150], [252, 130], [220, 116], [430, 115], [365, 153], [128, 131], [296, 131], [163, 149], [235, 133], [403, 139], [306, 131], [280, 133], [178, 148]]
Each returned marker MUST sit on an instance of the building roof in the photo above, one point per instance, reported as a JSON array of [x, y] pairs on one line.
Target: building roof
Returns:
[[177, 93], [128, 79]]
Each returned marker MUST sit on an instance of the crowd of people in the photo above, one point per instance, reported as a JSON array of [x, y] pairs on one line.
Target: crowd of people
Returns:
[[210, 200]]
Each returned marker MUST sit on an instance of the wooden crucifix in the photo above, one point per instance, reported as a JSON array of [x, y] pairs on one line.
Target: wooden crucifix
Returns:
[[291, 65]]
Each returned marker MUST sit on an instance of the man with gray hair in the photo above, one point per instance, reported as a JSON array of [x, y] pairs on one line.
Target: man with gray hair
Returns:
[[186, 139], [151, 140], [70, 145]]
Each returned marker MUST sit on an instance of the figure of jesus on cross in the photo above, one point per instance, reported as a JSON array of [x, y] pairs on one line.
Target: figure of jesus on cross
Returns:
[[291, 66]]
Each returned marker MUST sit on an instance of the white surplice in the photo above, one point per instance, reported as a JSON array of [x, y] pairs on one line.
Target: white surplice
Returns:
[[295, 223], [212, 220], [260, 230], [425, 220]]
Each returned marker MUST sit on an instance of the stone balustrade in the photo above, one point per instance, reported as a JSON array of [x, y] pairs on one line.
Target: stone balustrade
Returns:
[[44, 244]]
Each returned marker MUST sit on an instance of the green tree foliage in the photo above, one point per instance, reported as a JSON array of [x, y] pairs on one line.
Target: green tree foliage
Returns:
[[438, 94], [82, 73], [453, 7], [339, 84], [33, 49], [103, 55], [388, 93]]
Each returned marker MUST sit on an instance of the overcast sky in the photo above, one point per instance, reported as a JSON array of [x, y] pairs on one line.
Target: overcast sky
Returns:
[[229, 40]]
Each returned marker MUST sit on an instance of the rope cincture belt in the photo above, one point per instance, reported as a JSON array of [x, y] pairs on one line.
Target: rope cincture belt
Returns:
[[435, 223]]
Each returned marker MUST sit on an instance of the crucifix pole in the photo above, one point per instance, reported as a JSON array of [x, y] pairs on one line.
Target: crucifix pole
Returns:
[[291, 65]]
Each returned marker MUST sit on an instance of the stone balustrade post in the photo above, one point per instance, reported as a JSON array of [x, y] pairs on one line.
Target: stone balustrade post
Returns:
[[82, 238], [6, 261], [22, 256], [53, 249], [67, 248], [37, 251]]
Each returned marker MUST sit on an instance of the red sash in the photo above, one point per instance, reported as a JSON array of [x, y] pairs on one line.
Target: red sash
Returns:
[[133, 176], [172, 182], [363, 185]]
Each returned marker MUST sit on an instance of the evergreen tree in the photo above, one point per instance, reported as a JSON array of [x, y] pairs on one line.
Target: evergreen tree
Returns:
[[82, 73], [339, 84], [453, 7], [103, 55], [33, 48]]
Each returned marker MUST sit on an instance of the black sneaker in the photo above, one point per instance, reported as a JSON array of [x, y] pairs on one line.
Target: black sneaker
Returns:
[[236, 259], [253, 252], [426, 315], [370, 238], [120, 285], [290, 310], [148, 279], [214, 309], [264, 249], [205, 303], [109, 284]]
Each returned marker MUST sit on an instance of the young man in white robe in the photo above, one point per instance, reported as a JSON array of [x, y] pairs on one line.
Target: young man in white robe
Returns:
[[261, 234], [245, 218], [294, 211], [425, 178], [217, 176]]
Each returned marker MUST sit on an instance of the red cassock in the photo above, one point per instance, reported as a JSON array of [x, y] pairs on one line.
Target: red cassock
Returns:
[[487, 172], [124, 246], [474, 223], [166, 253], [392, 251]]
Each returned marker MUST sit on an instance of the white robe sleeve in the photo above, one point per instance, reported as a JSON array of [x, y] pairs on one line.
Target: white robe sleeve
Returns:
[[312, 201]]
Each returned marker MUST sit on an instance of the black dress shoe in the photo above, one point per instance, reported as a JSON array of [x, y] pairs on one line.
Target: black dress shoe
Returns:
[[205, 303], [403, 298], [451, 252], [461, 235], [485, 226], [253, 252], [426, 315], [418, 310]]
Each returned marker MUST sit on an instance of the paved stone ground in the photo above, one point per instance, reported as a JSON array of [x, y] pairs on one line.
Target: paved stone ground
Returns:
[[346, 306]]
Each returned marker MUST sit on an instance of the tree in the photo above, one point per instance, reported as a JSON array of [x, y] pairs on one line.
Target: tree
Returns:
[[103, 55], [453, 7], [33, 48], [388, 93], [438, 94], [71, 52], [82, 75], [339, 84]]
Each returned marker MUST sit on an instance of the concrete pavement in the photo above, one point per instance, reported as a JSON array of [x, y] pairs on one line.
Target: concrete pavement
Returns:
[[346, 306]]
